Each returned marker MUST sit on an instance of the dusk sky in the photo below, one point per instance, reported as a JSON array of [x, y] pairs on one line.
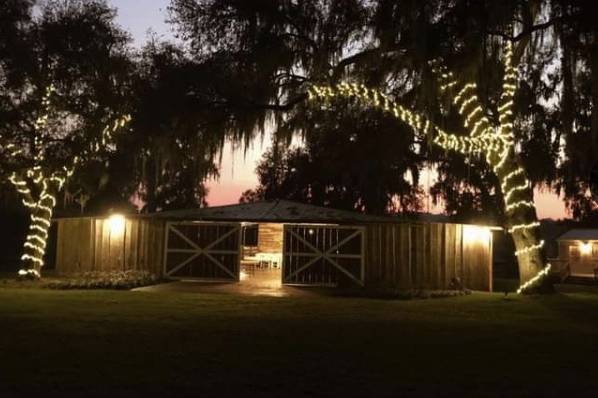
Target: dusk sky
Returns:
[[237, 171]]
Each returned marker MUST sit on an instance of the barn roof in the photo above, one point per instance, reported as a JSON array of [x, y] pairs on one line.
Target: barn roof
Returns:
[[273, 211], [580, 234]]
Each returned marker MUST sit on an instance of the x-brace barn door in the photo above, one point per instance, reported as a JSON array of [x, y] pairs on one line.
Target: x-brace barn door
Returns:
[[202, 250], [323, 254]]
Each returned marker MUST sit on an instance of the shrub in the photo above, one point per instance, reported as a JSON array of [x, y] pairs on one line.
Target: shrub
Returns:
[[118, 280], [401, 294]]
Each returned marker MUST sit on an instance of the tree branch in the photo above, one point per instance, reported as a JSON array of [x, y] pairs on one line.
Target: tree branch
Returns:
[[535, 28], [527, 32], [358, 57], [377, 100], [247, 104], [283, 107], [418, 122], [466, 99]]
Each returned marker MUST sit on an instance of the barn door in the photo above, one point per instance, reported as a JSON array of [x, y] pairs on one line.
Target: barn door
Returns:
[[202, 250], [323, 255]]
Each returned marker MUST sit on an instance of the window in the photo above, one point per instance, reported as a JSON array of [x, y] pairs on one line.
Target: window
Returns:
[[250, 233]]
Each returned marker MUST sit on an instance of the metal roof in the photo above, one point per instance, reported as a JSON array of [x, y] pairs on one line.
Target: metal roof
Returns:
[[580, 234], [273, 211]]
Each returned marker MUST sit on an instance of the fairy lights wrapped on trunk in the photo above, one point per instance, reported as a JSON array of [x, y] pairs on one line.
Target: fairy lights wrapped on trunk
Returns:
[[38, 184], [496, 143]]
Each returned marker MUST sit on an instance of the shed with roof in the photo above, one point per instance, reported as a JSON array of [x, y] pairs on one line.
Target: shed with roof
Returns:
[[577, 253], [294, 243]]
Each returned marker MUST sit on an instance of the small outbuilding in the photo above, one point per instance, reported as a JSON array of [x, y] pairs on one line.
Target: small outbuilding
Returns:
[[577, 254], [292, 243]]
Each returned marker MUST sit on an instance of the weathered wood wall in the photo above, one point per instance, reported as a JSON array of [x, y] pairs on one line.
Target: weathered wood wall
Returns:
[[426, 256], [270, 237], [87, 244], [402, 255]]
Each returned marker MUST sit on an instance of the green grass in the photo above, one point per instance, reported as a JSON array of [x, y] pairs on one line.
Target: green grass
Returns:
[[117, 344]]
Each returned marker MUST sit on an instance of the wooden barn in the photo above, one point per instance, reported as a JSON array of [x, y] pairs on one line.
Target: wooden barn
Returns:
[[293, 243], [577, 254]]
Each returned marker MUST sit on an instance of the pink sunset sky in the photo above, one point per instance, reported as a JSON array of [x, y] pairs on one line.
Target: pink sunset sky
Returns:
[[237, 172]]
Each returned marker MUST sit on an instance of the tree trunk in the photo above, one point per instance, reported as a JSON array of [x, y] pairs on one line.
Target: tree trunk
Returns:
[[530, 262], [34, 248], [528, 244]]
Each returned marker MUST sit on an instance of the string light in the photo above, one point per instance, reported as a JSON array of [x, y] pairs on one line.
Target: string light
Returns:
[[535, 279], [497, 143], [512, 191], [524, 226], [529, 249], [47, 185], [512, 174], [29, 272]]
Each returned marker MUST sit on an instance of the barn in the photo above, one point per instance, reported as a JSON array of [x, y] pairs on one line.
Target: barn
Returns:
[[577, 254], [288, 242]]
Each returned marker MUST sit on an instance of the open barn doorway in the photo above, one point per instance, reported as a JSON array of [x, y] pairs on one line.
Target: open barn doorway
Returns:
[[261, 255], [274, 254]]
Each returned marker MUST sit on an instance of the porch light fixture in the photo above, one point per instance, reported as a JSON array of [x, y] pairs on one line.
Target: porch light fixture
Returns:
[[585, 248], [117, 224], [473, 234]]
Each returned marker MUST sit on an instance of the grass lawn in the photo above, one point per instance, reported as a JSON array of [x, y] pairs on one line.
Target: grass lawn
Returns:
[[117, 344]]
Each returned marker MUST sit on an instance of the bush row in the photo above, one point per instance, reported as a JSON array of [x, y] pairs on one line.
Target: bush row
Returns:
[[120, 280]]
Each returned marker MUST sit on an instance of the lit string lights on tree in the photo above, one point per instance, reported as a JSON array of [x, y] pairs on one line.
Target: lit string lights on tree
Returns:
[[496, 143], [543, 273], [38, 185]]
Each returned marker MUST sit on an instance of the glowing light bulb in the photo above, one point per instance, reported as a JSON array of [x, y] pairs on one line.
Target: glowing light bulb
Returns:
[[117, 224], [585, 248], [473, 234]]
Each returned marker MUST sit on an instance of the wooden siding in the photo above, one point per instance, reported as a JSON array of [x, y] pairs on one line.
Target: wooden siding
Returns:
[[87, 244], [401, 255], [270, 238], [425, 256]]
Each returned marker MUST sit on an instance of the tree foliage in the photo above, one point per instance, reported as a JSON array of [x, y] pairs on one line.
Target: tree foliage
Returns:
[[357, 160], [76, 48], [172, 150], [281, 46], [245, 67]]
